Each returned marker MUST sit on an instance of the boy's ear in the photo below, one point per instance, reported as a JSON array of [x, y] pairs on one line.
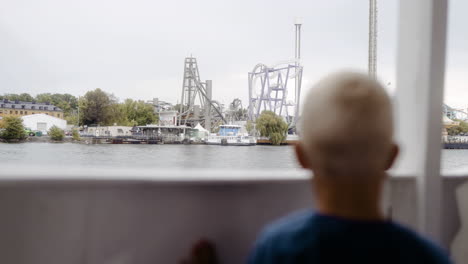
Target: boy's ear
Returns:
[[394, 151], [302, 156]]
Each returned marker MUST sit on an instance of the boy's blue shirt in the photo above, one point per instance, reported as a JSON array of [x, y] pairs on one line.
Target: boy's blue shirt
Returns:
[[308, 237]]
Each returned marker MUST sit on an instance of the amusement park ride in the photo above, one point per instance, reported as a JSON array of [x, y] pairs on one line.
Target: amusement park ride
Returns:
[[454, 113], [269, 86], [196, 96], [269, 89]]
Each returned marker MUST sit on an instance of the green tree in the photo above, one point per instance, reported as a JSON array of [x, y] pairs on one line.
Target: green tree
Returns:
[[464, 126], [14, 129], [44, 98], [11, 97], [72, 118], [56, 133], [118, 114], [25, 97], [272, 126], [75, 134], [454, 130], [139, 112], [95, 108], [67, 102]]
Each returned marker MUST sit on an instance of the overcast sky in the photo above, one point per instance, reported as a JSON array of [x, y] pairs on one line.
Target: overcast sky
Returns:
[[136, 49]]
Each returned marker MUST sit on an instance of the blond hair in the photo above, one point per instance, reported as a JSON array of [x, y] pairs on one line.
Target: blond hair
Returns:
[[347, 123]]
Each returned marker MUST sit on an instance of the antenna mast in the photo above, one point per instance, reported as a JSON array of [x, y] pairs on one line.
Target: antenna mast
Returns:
[[297, 53], [372, 38]]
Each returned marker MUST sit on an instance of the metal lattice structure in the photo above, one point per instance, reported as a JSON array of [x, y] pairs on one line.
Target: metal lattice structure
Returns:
[[196, 103], [372, 57], [454, 113], [236, 112], [269, 90]]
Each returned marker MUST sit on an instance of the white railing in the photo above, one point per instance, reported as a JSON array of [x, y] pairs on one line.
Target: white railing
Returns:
[[57, 215]]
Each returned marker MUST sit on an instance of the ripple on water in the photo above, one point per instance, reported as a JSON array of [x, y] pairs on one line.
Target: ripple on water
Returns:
[[149, 156], [174, 156]]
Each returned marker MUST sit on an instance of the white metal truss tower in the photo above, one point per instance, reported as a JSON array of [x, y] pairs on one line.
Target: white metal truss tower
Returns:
[[297, 53], [372, 38]]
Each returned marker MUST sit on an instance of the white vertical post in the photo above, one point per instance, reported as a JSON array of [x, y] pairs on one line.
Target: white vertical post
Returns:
[[372, 56], [419, 98], [297, 54]]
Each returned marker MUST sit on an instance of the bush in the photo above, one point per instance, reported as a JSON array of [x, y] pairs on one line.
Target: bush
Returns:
[[272, 126], [13, 128], [75, 135], [56, 133], [461, 128]]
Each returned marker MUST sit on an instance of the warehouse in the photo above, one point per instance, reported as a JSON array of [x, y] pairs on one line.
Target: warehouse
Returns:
[[43, 122]]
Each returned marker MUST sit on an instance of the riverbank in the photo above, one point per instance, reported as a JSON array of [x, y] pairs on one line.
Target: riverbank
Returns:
[[47, 139]]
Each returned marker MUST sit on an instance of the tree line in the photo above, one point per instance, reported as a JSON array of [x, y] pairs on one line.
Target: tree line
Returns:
[[462, 128], [96, 107]]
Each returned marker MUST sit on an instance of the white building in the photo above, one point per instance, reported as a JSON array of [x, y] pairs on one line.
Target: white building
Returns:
[[168, 118], [43, 122], [109, 131]]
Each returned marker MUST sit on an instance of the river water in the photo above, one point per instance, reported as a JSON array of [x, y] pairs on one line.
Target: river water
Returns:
[[149, 156], [171, 156]]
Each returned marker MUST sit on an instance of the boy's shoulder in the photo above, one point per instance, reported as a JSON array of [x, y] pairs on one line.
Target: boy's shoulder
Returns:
[[289, 225], [422, 245], [304, 230], [282, 233]]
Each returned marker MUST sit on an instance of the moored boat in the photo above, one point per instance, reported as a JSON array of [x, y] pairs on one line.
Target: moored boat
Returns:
[[230, 135]]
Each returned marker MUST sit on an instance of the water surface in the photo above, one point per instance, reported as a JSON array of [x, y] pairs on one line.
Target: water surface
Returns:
[[171, 156], [149, 156]]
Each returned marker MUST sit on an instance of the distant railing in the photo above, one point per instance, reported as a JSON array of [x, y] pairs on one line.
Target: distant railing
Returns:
[[455, 142]]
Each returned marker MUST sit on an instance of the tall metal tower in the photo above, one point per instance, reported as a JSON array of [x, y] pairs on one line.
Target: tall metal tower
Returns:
[[190, 92], [297, 52], [196, 96], [372, 57]]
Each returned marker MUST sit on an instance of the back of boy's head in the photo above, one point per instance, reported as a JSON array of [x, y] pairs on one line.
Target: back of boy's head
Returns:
[[347, 125]]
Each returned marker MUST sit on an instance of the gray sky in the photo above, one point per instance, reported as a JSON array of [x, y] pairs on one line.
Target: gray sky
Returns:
[[136, 49]]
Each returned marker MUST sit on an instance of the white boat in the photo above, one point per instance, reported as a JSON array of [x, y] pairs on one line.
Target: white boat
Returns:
[[230, 135]]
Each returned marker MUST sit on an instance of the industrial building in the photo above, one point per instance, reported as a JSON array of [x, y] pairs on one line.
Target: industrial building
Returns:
[[43, 122], [20, 108], [108, 131]]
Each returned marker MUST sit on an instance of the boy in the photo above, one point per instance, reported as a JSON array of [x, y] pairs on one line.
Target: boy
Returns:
[[347, 142]]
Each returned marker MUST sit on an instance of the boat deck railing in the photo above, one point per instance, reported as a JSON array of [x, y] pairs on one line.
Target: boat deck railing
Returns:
[[82, 215]]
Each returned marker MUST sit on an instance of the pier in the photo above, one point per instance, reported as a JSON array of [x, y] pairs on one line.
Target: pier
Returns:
[[455, 143]]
